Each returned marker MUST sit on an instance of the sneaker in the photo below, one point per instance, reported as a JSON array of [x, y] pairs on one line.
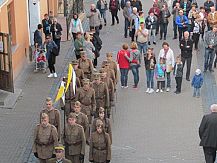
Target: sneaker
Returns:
[[126, 87], [161, 91], [157, 90], [50, 76], [151, 90], [55, 75], [211, 70], [122, 86], [149, 43], [154, 43], [134, 86], [148, 89], [168, 89]]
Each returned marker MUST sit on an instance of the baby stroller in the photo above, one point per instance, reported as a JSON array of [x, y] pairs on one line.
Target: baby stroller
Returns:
[[40, 60]]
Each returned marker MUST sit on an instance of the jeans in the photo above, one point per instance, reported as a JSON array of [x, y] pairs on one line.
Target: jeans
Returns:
[[152, 31], [150, 78], [168, 80], [175, 27], [196, 37], [41, 65], [114, 16], [103, 15], [196, 92], [188, 61], [163, 30], [181, 32], [126, 26], [135, 71], [57, 42], [142, 47], [178, 83], [124, 76], [209, 58]]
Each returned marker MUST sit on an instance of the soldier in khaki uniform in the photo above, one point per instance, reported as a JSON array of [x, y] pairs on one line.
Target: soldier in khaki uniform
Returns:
[[100, 145], [82, 119], [113, 64], [86, 96], [79, 73], [69, 99], [106, 123], [86, 65], [74, 140], [59, 151], [101, 93], [110, 72], [45, 139], [54, 114], [108, 81]]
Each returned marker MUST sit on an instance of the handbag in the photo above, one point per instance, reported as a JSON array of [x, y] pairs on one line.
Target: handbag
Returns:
[[55, 51], [57, 36]]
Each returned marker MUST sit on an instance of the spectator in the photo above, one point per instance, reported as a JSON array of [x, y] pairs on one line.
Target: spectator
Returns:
[[212, 18], [46, 22], [95, 20], [186, 6], [203, 20], [163, 20], [175, 13], [114, 6], [178, 73], [75, 26], [134, 23], [41, 61], [56, 29], [191, 17], [141, 17], [182, 23], [127, 11], [137, 4], [151, 24], [142, 38], [150, 63], [167, 54], [186, 46], [102, 6], [210, 43], [196, 31], [197, 83], [208, 134], [160, 75], [207, 5], [88, 47], [79, 45], [124, 64], [160, 3], [38, 37], [156, 12]]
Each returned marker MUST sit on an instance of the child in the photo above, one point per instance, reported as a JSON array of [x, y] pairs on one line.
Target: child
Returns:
[[178, 73], [41, 61], [160, 75], [197, 83]]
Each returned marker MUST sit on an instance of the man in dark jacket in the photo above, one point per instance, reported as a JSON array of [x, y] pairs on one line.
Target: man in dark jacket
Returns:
[[114, 6], [46, 22], [137, 4], [38, 37], [56, 29], [186, 46], [186, 6], [207, 5], [208, 134]]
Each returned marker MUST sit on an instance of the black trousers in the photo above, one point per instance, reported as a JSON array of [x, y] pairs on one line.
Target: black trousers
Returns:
[[210, 154], [114, 16], [178, 83], [181, 32], [133, 34], [51, 67], [57, 42], [163, 30], [196, 37], [160, 84], [188, 61]]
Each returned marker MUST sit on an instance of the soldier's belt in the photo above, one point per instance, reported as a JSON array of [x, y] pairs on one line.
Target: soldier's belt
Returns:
[[101, 98], [99, 148], [43, 144], [86, 105], [74, 143], [87, 72]]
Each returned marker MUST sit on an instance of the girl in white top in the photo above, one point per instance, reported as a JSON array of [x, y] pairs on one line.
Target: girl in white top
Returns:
[[167, 54], [75, 26]]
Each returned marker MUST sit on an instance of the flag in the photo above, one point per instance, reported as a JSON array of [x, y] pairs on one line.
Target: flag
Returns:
[[61, 93], [69, 77], [73, 80]]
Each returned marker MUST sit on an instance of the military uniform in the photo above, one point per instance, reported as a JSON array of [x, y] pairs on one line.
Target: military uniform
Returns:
[[79, 74], [88, 102], [87, 67], [45, 139], [101, 93], [63, 160], [100, 147], [69, 100], [106, 124], [113, 66], [75, 142], [54, 118]]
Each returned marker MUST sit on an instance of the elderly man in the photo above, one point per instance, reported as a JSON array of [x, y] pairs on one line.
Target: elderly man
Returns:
[[134, 23], [95, 19], [212, 18], [186, 46], [127, 11], [208, 134]]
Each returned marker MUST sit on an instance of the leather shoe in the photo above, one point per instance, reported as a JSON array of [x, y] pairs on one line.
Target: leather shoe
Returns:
[[188, 79]]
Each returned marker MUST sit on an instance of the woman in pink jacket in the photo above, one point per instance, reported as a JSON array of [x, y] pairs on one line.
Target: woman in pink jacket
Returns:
[[124, 64]]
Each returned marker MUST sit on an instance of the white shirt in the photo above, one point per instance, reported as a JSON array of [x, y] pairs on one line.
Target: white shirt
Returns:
[[170, 61], [76, 26]]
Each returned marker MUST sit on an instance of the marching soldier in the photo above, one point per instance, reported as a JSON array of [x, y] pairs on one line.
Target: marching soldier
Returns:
[[82, 119], [45, 139], [108, 81], [86, 65], [79, 73], [59, 152], [113, 64], [54, 114], [86, 96], [100, 145], [74, 140], [106, 123], [110, 72]]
